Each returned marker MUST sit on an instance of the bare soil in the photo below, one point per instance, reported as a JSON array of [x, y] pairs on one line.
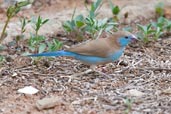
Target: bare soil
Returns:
[[145, 68]]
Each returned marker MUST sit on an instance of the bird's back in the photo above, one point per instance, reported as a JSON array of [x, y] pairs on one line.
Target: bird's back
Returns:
[[101, 47]]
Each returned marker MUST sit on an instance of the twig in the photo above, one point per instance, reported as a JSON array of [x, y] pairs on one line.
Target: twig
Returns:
[[154, 69], [129, 66]]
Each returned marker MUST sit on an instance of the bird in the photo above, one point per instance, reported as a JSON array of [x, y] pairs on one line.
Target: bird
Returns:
[[98, 51], [95, 52]]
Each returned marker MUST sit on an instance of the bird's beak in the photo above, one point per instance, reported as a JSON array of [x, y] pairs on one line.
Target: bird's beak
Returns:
[[134, 38]]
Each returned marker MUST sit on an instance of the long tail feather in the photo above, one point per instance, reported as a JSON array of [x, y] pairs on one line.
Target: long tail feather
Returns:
[[56, 54]]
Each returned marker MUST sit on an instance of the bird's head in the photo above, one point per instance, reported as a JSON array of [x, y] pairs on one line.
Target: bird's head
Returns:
[[124, 38]]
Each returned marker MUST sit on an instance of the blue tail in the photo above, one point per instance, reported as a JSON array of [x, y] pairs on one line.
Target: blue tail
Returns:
[[55, 53]]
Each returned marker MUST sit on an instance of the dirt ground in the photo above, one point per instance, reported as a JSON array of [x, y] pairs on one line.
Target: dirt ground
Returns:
[[138, 83]]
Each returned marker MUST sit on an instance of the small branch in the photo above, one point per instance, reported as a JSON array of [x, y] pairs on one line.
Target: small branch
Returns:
[[3, 31], [154, 69]]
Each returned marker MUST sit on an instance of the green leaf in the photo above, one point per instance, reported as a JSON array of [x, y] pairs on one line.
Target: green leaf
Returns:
[[2, 58], [32, 48], [108, 28], [22, 4], [149, 26], [55, 45], [79, 18], [45, 21], [10, 11], [67, 26], [79, 24], [92, 14], [79, 21], [116, 10], [142, 28], [95, 5], [103, 22], [2, 47], [160, 9], [42, 48], [140, 35]]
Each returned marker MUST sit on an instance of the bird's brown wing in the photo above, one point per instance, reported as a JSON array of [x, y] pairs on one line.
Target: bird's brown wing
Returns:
[[101, 47]]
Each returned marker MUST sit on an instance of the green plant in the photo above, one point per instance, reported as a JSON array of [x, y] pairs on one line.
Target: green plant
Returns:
[[23, 22], [128, 103], [168, 25], [94, 8], [39, 45], [115, 10], [157, 33], [159, 8], [11, 12], [162, 26], [89, 25], [96, 27], [38, 23], [154, 30], [145, 32], [36, 41], [54, 45], [2, 58], [161, 23]]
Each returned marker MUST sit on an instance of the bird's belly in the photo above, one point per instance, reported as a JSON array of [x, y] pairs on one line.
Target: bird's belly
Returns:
[[99, 60]]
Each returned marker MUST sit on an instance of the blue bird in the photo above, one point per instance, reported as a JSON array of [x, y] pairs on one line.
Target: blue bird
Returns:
[[98, 51]]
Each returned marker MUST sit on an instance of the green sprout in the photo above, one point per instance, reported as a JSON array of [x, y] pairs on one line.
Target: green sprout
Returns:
[[168, 25], [159, 8], [157, 33], [128, 103], [38, 23], [11, 12], [89, 25], [23, 22], [161, 27], [145, 32], [54, 45], [36, 41], [161, 23], [94, 8], [115, 10], [2, 58]]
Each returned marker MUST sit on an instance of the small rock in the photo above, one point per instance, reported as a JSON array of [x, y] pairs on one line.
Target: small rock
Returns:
[[28, 90], [167, 91], [14, 74], [134, 92], [46, 103]]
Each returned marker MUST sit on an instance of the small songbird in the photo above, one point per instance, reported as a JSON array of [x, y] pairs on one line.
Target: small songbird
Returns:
[[98, 51]]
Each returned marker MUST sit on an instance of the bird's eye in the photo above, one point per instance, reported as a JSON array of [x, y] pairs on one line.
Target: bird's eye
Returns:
[[126, 37]]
